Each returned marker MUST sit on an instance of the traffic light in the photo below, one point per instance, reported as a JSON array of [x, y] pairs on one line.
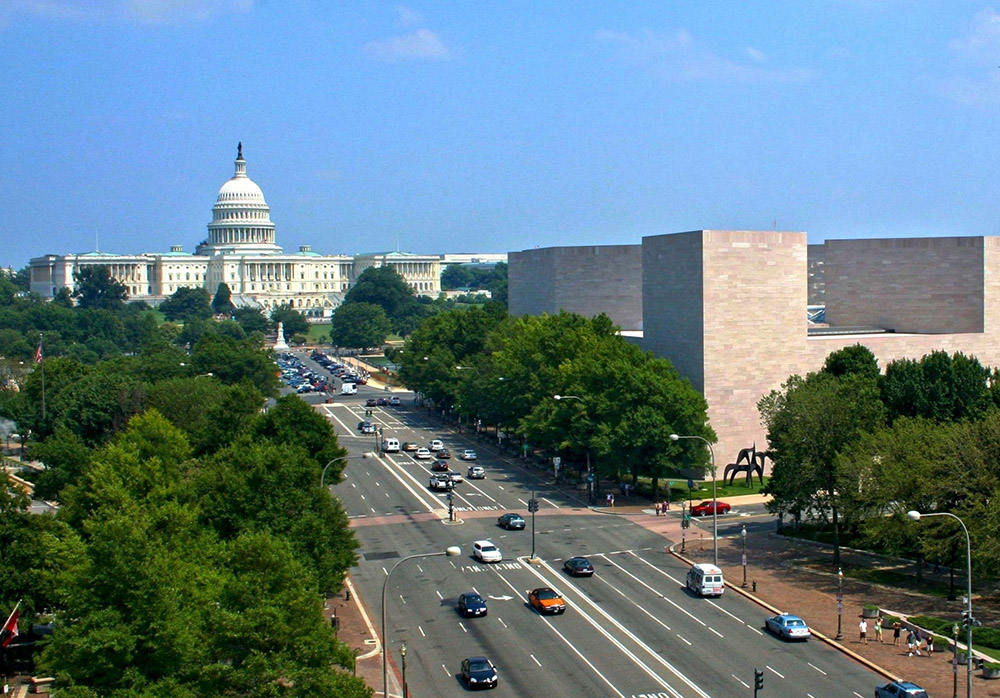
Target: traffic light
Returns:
[[532, 505], [758, 680]]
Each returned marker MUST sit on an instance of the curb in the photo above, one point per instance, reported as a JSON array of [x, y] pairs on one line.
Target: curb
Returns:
[[823, 638]]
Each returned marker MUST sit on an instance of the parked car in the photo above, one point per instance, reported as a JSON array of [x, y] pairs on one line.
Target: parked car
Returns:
[[900, 689], [788, 626], [546, 601], [471, 605], [511, 521], [485, 550], [476, 472], [578, 567], [468, 454], [479, 672], [422, 454], [705, 508]]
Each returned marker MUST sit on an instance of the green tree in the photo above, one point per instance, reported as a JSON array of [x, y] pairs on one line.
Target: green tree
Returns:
[[94, 288], [853, 360], [810, 421], [251, 320], [382, 286], [457, 276], [66, 457], [222, 303], [293, 322], [359, 325], [232, 361], [187, 304]]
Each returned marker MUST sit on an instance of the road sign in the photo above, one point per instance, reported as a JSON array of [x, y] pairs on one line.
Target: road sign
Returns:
[[690, 484]]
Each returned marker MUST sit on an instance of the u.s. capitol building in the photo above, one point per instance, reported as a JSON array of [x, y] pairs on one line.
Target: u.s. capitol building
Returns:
[[241, 251]]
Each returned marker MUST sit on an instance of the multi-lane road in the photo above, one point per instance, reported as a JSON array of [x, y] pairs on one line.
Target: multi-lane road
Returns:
[[631, 630]]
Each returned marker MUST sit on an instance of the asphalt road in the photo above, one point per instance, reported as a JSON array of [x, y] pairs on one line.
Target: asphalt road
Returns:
[[632, 630]]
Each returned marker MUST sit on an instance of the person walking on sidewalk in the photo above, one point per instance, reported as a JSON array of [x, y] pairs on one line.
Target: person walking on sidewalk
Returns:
[[878, 629], [930, 644], [897, 627], [863, 631], [657, 507], [911, 644]]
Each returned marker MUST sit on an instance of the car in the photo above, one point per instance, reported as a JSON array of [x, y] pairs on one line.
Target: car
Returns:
[[468, 454], [479, 672], [511, 521], [900, 689], [370, 402], [546, 601], [422, 454], [471, 605], [578, 567], [705, 508], [394, 401], [435, 445], [382, 402], [484, 550], [788, 626], [304, 388], [440, 466], [443, 453], [455, 477], [410, 446], [366, 428], [440, 481], [476, 472]]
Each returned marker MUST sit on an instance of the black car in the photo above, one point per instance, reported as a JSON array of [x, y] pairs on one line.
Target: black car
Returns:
[[370, 402], [511, 521], [440, 466], [382, 402], [578, 567], [444, 453], [471, 605], [479, 672]]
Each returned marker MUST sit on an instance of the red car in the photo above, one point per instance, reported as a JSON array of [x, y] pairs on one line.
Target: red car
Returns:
[[705, 508]]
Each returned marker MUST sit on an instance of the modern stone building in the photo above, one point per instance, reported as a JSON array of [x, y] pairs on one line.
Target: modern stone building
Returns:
[[241, 251], [728, 308]]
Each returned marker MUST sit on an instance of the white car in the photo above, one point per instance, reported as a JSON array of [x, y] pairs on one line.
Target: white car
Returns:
[[455, 477], [422, 454], [435, 445], [476, 472], [486, 551], [440, 481], [468, 454]]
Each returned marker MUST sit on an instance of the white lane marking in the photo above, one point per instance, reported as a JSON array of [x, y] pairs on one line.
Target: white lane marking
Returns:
[[522, 501], [745, 684], [817, 668], [403, 482], [388, 495], [378, 484], [754, 629], [684, 639], [630, 600], [501, 622], [679, 608], [462, 627], [500, 487], [536, 661], [421, 629], [628, 633], [715, 631], [858, 694], [420, 568], [439, 594], [373, 509], [447, 673], [770, 668], [553, 504], [363, 497], [736, 618], [403, 599], [569, 644]]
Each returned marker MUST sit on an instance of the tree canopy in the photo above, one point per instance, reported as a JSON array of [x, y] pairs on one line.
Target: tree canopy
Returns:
[[359, 325], [94, 288], [187, 304]]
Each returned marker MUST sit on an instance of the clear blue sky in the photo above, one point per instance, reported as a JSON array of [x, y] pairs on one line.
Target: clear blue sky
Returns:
[[495, 126]]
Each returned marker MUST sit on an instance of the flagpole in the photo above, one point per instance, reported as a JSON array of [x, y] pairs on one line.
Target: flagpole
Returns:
[[16, 606], [41, 360]]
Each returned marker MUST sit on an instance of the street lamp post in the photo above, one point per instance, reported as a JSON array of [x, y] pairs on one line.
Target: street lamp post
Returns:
[[335, 460], [402, 653], [743, 535], [916, 516], [586, 451], [452, 551], [715, 500], [840, 603], [954, 661]]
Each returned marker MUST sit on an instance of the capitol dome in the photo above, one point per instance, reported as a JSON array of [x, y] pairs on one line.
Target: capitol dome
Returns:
[[241, 218]]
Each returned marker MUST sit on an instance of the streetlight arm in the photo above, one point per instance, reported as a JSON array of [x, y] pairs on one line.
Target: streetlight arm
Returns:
[[322, 477]]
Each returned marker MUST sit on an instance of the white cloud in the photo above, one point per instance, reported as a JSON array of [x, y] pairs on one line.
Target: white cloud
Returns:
[[982, 43], [141, 11], [756, 55], [408, 17], [677, 57], [422, 44]]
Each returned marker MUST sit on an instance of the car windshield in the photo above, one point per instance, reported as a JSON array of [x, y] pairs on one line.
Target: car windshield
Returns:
[[488, 548], [473, 598], [547, 594], [479, 666]]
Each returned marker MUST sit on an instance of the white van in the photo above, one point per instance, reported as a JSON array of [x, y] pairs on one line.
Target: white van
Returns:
[[348, 389], [705, 580], [390, 445]]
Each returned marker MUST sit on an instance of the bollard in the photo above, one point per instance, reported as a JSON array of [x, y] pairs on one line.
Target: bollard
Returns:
[[755, 585], [347, 595]]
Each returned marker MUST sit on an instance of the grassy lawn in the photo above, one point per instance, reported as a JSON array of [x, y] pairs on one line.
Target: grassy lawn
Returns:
[[318, 330], [702, 490]]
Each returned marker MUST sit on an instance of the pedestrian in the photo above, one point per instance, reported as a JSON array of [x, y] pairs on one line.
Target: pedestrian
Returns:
[[878, 629], [657, 508], [897, 627], [665, 506], [930, 644], [863, 630], [911, 644], [611, 499]]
